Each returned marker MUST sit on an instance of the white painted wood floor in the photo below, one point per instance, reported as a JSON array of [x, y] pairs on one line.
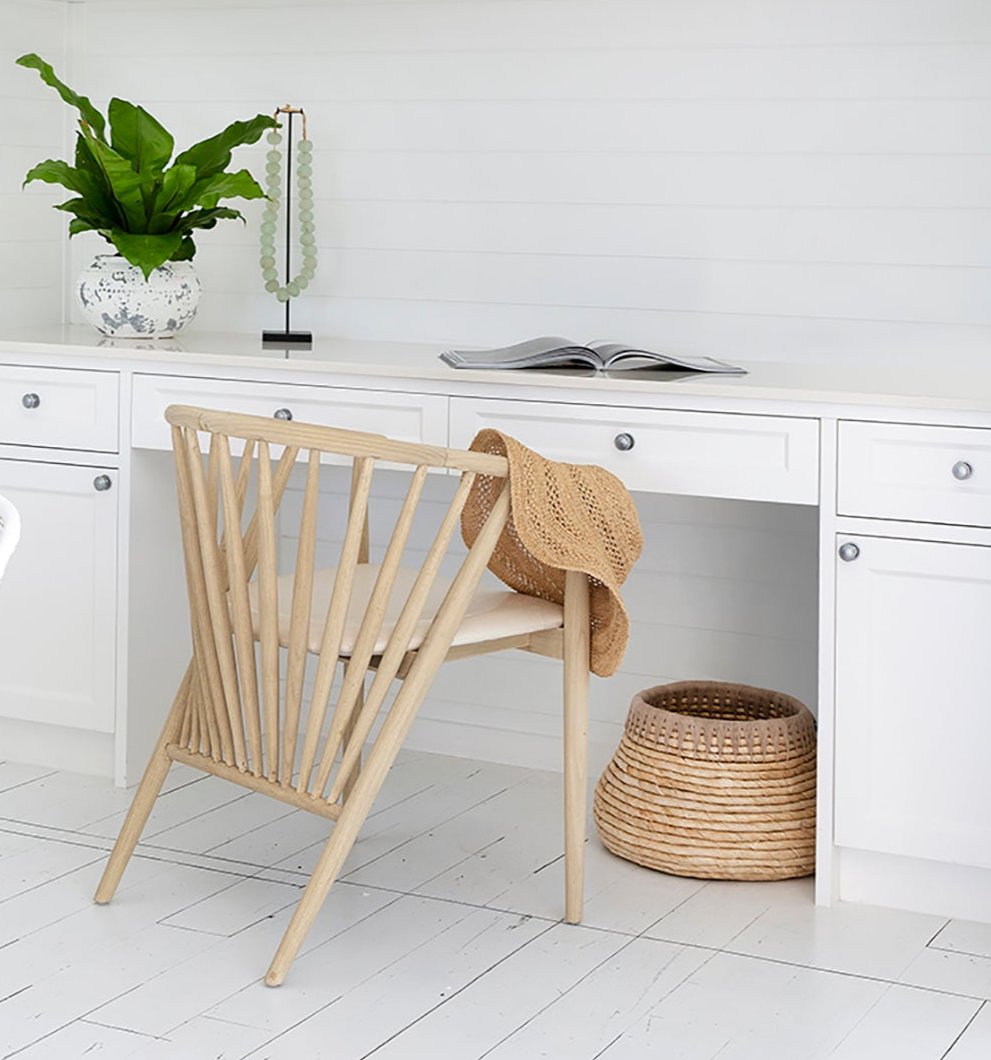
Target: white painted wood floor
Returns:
[[442, 941]]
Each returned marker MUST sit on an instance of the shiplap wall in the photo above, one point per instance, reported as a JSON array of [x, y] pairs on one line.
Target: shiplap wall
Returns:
[[776, 179], [31, 233]]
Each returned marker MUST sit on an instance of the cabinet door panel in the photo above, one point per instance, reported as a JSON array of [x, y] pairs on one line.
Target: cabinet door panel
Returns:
[[913, 686], [58, 597]]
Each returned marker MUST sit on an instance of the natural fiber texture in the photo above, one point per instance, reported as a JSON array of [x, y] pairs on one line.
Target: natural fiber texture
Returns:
[[563, 517], [715, 781]]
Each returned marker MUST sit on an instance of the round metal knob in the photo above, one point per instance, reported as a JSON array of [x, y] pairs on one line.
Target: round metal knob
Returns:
[[624, 442], [102, 483], [962, 470], [283, 414], [849, 551], [30, 401]]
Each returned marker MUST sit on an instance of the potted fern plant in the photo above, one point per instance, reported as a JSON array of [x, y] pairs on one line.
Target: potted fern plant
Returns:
[[147, 204]]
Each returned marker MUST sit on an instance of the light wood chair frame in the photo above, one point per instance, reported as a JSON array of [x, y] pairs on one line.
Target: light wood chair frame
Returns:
[[238, 713]]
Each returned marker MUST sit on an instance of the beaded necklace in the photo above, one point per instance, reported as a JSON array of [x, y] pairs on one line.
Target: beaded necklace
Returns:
[[270, 216]]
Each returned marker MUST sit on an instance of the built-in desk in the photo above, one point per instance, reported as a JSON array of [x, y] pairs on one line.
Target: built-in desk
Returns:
[[893, 466]]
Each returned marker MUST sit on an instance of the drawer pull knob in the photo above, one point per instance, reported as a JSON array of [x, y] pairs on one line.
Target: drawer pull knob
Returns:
[[283, 414], [30, 401], [624, 442], [962, 470], [849, 551], [102, 483]]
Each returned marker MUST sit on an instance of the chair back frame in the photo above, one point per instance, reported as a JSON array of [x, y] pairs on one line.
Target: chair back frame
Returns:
[[245, 707]]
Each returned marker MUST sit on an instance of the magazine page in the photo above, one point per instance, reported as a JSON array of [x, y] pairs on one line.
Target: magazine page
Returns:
[[617, 354], [534, 353]]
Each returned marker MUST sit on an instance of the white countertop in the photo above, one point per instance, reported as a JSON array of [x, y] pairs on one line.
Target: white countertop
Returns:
[[938, 384]]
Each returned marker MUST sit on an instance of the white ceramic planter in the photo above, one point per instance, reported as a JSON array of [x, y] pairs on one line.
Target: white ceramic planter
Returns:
[[118, 301]]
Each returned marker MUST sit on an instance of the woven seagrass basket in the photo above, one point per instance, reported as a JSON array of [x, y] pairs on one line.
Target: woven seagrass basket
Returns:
[[713, 780]]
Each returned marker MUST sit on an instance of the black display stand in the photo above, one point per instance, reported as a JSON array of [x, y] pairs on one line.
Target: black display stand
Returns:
[[288, 337]]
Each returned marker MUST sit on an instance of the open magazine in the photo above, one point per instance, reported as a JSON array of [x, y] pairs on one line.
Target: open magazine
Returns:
[[553, 352]]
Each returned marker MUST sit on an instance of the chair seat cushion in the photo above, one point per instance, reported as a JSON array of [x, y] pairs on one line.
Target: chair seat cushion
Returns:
[[493, 613]]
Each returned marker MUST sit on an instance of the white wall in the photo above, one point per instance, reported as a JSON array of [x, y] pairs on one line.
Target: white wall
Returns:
[[773, 179], [32, 129]]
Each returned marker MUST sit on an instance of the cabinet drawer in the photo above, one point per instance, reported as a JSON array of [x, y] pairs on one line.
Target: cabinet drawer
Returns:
[[705, 454], [58, 408], [409, 417], [914, 472]]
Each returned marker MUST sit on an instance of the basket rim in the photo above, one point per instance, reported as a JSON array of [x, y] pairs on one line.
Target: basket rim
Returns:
[[642, 703], [704, 736]]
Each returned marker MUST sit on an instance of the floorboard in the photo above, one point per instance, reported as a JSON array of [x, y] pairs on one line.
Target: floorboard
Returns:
[[443, 939]]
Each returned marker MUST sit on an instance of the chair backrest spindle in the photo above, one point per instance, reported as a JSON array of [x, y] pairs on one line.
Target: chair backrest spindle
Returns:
[[248, 705]]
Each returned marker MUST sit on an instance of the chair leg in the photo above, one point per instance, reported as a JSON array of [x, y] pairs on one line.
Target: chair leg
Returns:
[[576, 657], [144, 798], [356, 807]]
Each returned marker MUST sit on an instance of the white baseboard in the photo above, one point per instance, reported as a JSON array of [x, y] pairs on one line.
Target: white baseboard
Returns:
[[915, 884], [57, 747]]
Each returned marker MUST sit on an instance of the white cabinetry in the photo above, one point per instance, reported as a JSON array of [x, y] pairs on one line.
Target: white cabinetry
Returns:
[[767, 458], [58, 597], [912, 724], [913, 613], [409, 417]]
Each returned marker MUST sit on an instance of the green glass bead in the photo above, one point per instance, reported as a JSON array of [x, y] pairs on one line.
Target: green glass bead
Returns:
[[272, 286], [270, 274], [274, 137], [305, 213], [292, 288], [304, 169], [273, 168], [282, 295], [305, 147], [304, 183], [307, 239], [268, 228], [267, 261], [273, 156], [303, 281]]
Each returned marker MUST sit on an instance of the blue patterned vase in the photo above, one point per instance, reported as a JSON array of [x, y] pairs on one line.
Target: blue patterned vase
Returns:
[[118, 301]]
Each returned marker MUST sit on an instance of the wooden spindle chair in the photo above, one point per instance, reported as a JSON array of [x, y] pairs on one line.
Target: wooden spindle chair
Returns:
[[240, 713]]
